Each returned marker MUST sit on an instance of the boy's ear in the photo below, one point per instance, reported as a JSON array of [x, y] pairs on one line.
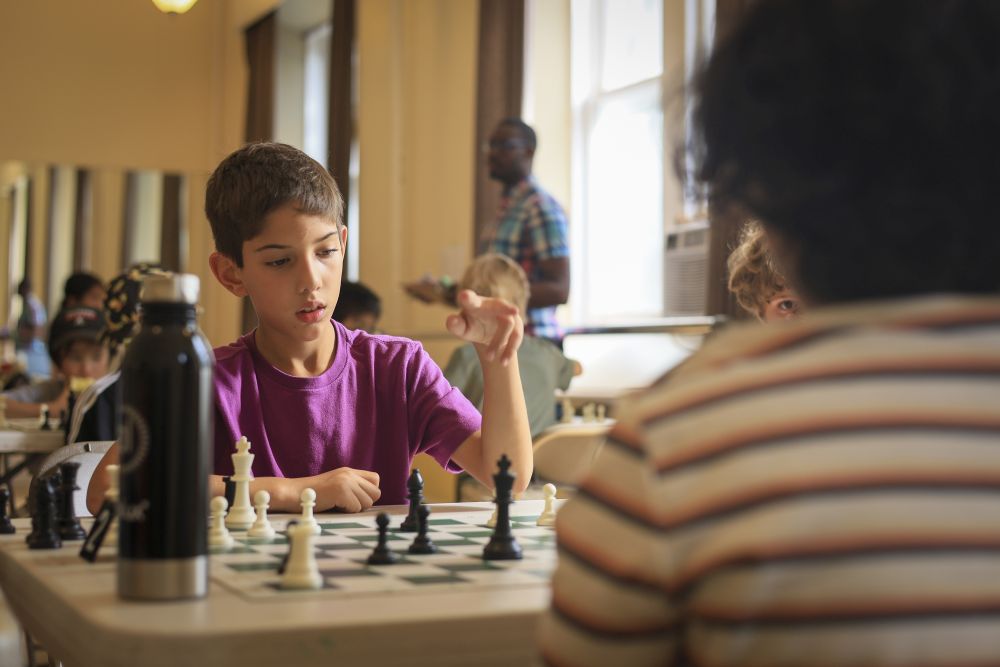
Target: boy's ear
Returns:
[[227, 273]]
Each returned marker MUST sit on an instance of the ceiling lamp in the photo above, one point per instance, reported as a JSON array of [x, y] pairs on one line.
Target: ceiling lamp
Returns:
[[174, 6]]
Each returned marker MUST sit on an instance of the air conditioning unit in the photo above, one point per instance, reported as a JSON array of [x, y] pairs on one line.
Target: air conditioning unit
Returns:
[[685, 270]]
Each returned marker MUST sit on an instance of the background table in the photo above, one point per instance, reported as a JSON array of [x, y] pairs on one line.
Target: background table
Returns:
[[72, 608], [24, 438]]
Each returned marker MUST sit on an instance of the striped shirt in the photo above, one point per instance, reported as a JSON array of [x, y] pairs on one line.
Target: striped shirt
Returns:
[[530, 226], [824, 492]]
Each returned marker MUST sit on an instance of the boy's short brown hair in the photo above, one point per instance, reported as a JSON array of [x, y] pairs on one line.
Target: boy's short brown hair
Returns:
[[498, 276], [753, 278], [259, 178]]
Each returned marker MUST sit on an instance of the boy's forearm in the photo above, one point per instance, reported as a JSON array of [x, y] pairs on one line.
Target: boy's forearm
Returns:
[[505, 427], [284, 495]]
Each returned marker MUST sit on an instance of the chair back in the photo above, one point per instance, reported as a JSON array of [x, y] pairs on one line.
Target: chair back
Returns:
[[88, 455], [564, 453]]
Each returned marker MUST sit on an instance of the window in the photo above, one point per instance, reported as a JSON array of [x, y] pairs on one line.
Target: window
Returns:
[[629, 61]]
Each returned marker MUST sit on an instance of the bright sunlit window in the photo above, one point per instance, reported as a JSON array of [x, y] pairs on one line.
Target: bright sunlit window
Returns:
[[629, 61]]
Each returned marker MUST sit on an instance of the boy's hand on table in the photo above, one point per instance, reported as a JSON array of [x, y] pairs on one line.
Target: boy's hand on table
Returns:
[[347, 489], [488, 322]]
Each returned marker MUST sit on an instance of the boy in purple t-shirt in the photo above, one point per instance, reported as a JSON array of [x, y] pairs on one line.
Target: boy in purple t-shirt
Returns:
[[337, 411]]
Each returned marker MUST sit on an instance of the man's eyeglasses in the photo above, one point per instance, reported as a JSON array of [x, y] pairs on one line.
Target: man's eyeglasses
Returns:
[[502, 145]]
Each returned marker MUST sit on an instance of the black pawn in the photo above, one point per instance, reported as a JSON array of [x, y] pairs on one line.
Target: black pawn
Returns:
[[502, 544], [415, 493], [422, 543], [43, 533], [46, 425], [284, 561], [6, 527], [381, 555], [69, 525]]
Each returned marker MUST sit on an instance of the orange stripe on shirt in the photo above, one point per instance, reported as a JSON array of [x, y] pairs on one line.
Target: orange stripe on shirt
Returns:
[[791, 427]]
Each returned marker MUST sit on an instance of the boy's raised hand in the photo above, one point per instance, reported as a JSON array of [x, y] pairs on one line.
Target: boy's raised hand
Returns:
[[493, 324]]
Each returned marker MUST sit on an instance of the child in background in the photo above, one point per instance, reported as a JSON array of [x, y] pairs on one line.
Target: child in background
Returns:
[[756, 283], [83, 289], [342, 412], [97, 410], [358, 307], [77, 352], [543, 367]]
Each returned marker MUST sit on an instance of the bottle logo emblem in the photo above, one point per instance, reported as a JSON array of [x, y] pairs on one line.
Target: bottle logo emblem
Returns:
[[134, 440]]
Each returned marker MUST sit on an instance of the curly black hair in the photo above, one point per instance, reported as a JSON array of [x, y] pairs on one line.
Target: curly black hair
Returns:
[[864, 135]]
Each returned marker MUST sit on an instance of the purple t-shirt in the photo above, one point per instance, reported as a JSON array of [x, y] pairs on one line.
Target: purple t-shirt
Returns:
[[381, 402]]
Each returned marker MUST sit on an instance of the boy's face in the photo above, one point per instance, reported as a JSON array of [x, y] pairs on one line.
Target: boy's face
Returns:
[[84, 359], [291, 272]]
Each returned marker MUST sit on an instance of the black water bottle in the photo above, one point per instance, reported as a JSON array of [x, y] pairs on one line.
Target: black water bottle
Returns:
[[165, 447]]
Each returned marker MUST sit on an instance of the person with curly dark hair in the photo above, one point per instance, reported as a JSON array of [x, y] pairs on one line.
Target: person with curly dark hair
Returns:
[[822, 493]]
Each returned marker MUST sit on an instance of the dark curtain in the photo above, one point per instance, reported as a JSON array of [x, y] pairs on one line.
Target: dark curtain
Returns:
[[29, 232], [82, 218], [260, 43], [129, 218], [341, 106], [725, 226], [500, 87], [172, 221]]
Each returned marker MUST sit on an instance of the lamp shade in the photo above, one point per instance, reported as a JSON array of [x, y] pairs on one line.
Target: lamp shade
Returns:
[[174, 6]]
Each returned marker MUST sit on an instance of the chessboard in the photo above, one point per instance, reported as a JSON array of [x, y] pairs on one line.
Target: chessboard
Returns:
[[250, 568]]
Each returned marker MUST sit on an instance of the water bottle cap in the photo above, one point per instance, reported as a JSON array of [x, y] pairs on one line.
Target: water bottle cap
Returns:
[[174, 288]]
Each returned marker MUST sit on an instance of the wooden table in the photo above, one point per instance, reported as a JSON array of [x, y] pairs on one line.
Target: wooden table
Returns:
[[72, 608]]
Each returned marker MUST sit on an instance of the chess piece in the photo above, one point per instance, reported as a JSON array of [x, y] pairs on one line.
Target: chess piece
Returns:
[[567, 410], [69, 525], [241, 515], [422, 544], [588, 413], [503, 545], [602, 412], [43, 418], [261, 528], [6, 527], [43, 533], [492, 521], [548, 515], [301, 572], [308, 501], [218, 534], [382, 555], [3, 411], [415, 494], [111, 496]]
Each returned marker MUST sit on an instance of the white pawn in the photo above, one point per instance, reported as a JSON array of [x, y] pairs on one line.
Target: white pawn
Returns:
[[111, 495], [492, 521], [43, 414], [567, 410], [241, 516], [308, 501], [301, 571], [588, 412], [548, 515], [261, 528], [218, 534], [602, 412]]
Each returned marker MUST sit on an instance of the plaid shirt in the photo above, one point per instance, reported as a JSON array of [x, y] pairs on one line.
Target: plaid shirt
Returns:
[[530, 226]]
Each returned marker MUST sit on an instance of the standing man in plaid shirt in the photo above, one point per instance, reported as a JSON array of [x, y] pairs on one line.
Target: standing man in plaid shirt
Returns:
[[530, 226]]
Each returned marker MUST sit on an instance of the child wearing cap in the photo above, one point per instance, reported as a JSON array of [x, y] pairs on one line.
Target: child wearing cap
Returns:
[[77, 351]]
